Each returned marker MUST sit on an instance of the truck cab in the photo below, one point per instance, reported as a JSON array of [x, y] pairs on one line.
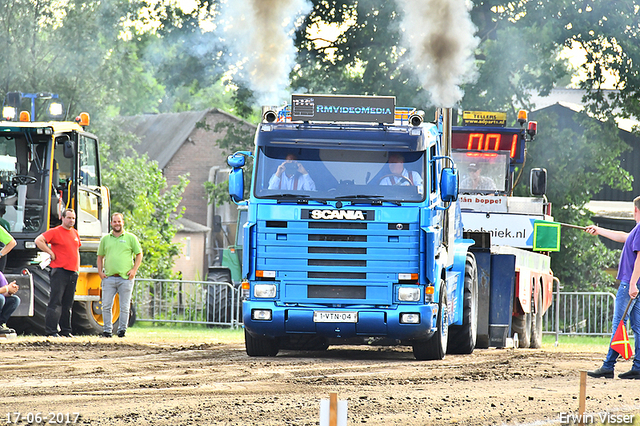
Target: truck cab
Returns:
[[352, 235]]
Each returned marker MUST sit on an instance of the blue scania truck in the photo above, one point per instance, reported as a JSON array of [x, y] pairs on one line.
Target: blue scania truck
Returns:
[[354, 233]]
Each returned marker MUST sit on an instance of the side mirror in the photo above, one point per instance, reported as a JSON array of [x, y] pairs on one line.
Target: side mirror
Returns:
[[449, 185], [235, 160], [69, 149], [236, 184], [538, 182]]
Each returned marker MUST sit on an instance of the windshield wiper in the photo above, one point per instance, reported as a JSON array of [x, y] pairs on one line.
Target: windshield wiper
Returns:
[[366, 199], [298, 198]]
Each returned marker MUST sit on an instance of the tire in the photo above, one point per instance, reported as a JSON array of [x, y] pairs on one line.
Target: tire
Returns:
[[536, 325], [41, 289], [260, 346], [87, 316], [219, 298], [462, 338], [133, 315], [522, 326], [436, 347]]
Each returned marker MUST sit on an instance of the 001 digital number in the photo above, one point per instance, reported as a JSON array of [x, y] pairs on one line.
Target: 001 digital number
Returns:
[[42, 418], [487, 142]]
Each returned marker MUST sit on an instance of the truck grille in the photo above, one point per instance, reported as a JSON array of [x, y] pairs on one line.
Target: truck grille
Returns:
[[331, 259]]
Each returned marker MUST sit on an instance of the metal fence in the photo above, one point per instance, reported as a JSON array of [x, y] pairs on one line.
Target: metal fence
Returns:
[[580, 313], [219, 304], [189, 302]]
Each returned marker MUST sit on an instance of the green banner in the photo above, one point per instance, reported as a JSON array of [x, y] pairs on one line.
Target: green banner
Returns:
[[546, 236]]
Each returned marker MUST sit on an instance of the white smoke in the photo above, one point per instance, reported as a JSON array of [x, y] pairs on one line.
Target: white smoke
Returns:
[[440, 37], [259, 35]]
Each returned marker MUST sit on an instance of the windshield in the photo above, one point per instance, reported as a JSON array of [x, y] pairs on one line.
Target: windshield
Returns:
[[330, 174], [22, 179], [482, 172]]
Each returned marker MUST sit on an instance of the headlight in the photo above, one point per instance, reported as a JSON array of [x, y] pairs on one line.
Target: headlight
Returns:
[[264, 291], [408, 294]]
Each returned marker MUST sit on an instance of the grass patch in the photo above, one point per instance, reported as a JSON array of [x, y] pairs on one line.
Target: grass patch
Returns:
[[191, 333], [577, 343]]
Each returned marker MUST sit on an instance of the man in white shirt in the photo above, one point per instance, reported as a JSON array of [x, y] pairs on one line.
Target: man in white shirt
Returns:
[[399, 175], [291, 175]]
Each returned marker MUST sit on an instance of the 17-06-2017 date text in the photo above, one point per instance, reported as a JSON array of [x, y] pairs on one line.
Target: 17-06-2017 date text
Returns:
[[50, 418]]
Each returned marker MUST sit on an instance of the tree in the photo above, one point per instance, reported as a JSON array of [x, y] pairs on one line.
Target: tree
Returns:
[[139, 190], [237, 137], [579, 165]]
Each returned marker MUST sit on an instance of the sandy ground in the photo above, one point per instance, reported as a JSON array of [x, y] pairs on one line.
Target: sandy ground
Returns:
[[124, 381]]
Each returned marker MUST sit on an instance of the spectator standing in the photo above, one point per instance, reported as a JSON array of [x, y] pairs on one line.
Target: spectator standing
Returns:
[[628, 274], [65, 263], [119, 257]]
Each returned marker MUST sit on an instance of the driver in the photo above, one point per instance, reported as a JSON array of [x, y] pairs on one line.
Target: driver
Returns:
[[399, 175], [292, 175], [475, 180]]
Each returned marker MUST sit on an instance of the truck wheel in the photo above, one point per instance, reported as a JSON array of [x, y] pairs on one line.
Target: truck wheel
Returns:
[[536, 325], [522, 325], [260, 346], [219, 307], [462, 338], [436, 347]]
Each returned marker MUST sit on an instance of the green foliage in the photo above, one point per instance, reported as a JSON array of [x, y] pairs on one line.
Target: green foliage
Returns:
[[140, 191], [578, 166], [237, 137]]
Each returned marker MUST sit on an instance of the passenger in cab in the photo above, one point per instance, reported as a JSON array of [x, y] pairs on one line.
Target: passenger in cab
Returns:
[[291, 175]]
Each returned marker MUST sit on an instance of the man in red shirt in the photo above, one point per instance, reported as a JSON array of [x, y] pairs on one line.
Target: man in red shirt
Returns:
[[65, 263]]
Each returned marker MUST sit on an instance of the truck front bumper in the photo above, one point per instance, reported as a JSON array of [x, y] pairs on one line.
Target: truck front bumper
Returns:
[[384, 322]]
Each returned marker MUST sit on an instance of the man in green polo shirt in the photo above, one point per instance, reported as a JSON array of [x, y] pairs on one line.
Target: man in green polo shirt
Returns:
[[119, 257], [8, 243]]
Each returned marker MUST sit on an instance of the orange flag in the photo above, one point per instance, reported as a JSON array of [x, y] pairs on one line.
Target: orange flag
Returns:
[[620, 342]]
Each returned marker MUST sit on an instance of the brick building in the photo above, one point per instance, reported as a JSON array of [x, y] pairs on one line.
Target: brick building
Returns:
[[186, 143]]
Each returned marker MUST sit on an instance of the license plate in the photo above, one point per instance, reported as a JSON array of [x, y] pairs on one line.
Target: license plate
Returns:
[[324, 316]]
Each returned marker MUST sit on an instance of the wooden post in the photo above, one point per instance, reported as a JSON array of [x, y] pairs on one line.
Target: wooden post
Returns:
[[583, 396], [333, 409]]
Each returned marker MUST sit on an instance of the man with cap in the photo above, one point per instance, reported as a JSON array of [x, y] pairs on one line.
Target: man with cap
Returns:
[[475, 180]]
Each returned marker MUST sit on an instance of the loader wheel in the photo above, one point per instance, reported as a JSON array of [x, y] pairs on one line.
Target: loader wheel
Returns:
[[41, 290], [87, 316], [436, 347], [462, 338]]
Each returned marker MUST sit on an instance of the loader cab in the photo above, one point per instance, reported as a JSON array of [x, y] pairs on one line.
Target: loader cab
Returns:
[[45, 168]]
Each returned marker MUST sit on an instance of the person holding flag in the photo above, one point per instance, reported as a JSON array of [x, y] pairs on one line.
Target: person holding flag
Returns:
[[625, 303]]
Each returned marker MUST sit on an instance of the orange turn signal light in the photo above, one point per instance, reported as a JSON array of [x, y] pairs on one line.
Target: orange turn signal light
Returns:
[[429, 290]]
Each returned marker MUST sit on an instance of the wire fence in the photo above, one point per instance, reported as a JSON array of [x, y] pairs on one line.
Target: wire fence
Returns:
[[219, 304], [190, 302], [580, 313]]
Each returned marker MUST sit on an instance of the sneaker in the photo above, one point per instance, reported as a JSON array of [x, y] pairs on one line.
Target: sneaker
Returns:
[[6, 330], [121, 333], [53, 335], [67, 335], [631, 374], [106, 334], [601, 372]]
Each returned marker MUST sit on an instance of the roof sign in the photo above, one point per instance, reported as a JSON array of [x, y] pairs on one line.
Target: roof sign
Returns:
[[484, 118], [362, 109]]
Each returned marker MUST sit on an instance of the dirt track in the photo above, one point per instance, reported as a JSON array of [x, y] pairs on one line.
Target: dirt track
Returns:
[[122, 382]]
